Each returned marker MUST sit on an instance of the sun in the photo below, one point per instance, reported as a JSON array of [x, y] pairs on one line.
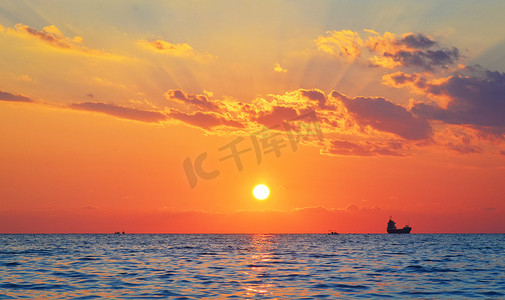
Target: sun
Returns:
[[261, 192]]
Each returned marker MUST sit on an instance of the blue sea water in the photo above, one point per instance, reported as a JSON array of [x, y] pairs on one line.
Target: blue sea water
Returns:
[[240, 266]]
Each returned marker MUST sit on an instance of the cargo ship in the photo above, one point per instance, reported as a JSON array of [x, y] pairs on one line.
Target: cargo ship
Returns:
[[392, 227]]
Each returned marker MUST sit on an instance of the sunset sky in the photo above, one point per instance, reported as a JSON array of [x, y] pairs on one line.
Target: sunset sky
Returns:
[[122, 115]]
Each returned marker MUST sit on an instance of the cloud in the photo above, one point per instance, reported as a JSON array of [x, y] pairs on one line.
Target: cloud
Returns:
[[386, 116], [52, 36], [204, 120], [312, 209], [465, 149], [425, 59], [401, 80], [359, 126], [344, 43], [5, 96], [461, 139], [349, 218], [416, 83], [121, 111], [476, 99], [277, 116], [300, 99], [279, 69], [24, 78], [200, 102], [417, 41], [410, 50], [320, 210], [315, 95], [168, 48], [178, 50], [367, 148], [362, 117]]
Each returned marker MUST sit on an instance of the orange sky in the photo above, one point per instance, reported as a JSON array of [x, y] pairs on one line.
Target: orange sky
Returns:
[[98, 115]]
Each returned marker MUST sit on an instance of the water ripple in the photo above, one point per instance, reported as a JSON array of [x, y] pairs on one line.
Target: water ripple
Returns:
[[252, 266]]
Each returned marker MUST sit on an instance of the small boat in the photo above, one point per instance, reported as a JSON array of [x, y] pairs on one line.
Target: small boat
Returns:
[[392, 227], [332, 232]]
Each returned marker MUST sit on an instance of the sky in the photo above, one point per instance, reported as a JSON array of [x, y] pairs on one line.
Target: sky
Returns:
[[162, 116]]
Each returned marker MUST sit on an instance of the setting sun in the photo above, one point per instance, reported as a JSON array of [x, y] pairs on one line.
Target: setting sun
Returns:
[[261, 192]]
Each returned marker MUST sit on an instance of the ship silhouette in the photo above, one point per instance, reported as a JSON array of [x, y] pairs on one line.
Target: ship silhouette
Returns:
[[392, 227]]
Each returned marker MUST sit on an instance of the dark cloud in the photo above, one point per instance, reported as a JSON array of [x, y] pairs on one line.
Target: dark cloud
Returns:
[[425, 59], [53, 37], [477, 100], [121, 111], [315, 95], [419, 41], [277, 116], [464, 149], [4, 96], [400, 79], [346, 148], [385, 115], [410, 50], [204, 120], [198, 101]]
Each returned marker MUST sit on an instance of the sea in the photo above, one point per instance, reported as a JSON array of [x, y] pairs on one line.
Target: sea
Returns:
[[252, 266]]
